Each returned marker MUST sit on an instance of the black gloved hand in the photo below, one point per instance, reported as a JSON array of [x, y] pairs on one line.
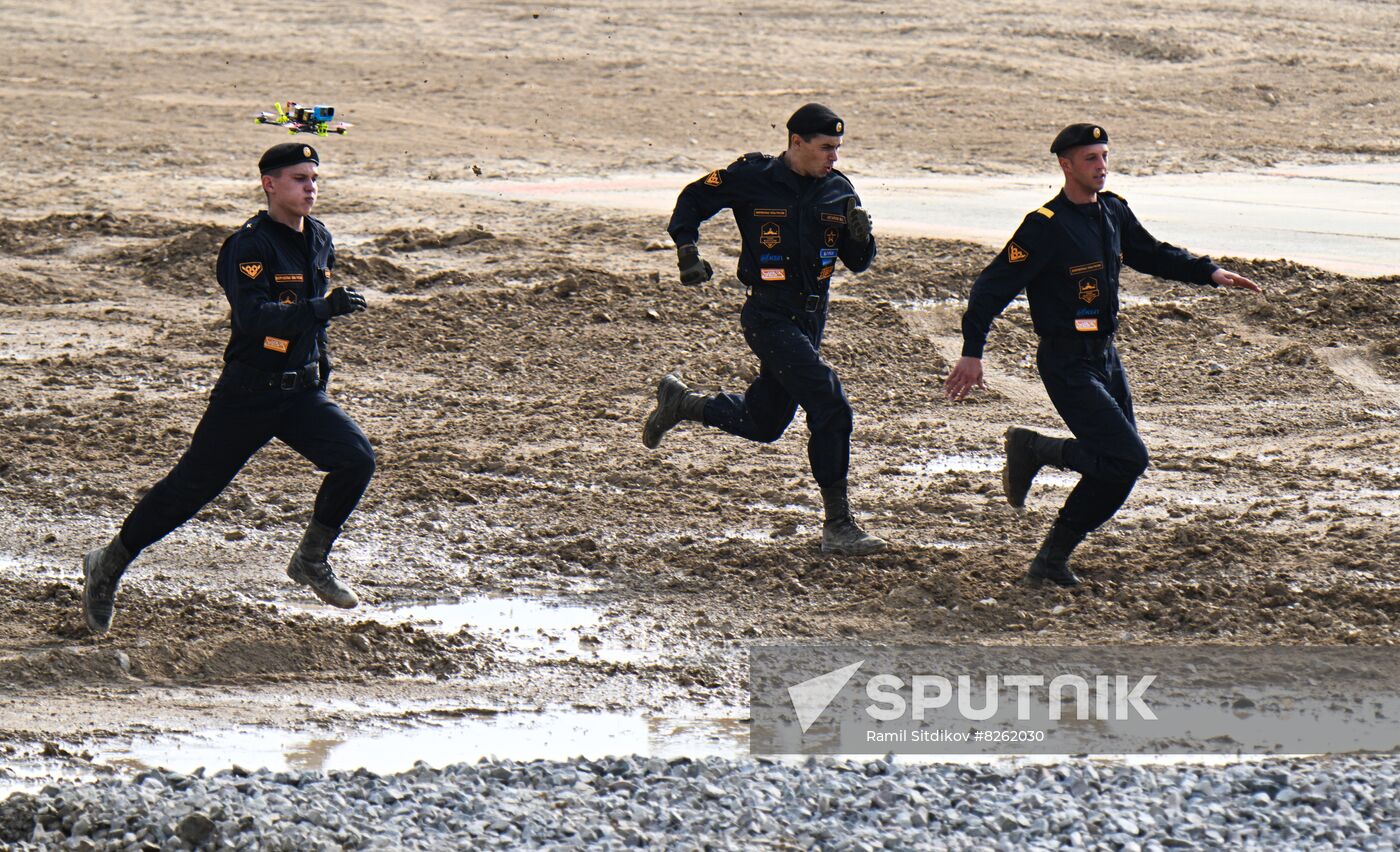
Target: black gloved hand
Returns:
[[344, 301], [857, 221], [324, 370], [693, 269]]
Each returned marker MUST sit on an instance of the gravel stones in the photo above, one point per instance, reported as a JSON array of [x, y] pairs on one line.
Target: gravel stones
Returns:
[[680, 803]]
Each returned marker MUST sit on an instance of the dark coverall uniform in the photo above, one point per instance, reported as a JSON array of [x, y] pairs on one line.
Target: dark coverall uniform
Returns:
[[272, 386], [793, 230], [1067, 258]]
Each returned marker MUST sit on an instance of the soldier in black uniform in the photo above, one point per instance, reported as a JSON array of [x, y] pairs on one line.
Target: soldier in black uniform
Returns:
[[275, 272], [796, 215], [1067, 256]]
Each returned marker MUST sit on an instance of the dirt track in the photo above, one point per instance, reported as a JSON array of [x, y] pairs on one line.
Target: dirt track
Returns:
[[510, 350]]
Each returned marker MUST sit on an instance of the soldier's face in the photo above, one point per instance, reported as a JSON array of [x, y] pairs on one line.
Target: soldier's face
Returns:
[[292, 190], [813, 159], [1086, 166]]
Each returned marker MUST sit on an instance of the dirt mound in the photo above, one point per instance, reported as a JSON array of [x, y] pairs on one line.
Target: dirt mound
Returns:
[[422, 239], [30, 237], [182, 263], [373, 271], [197, 638], [1335, 306]]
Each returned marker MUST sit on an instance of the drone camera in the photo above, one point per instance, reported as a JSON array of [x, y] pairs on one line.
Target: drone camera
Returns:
[[322, 113]]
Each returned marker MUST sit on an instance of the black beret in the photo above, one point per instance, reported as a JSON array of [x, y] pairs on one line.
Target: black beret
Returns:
[[1078, 134], [815, 118], [287, 154]]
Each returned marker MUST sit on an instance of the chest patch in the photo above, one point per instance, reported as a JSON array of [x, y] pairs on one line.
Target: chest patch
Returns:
[[287, 297], [770, 213], [1086, 267], [1088, 290], [830, 237], [1015, 254], [834, 217], [276, 344], [250, 270], [770, 235], [288, 278]]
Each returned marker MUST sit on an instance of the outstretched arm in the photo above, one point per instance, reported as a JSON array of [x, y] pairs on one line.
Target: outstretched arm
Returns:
[[1008, 274]]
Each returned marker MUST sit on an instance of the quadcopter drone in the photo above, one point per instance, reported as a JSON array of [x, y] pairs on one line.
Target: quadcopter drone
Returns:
[[304, 119]]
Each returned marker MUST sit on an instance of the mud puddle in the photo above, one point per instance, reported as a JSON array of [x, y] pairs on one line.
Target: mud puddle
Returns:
[[528, 627], [954, 463], [476, 734]]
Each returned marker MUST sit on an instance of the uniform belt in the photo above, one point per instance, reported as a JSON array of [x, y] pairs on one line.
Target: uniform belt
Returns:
[[791, 299], [1074, 344], [253, 378]]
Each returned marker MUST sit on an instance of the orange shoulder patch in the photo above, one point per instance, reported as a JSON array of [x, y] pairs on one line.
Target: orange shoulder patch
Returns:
[[714, 178], [251, 270], [1016, 254]]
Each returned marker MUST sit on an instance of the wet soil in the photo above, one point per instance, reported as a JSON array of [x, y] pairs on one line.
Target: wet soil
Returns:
[[511, 350]]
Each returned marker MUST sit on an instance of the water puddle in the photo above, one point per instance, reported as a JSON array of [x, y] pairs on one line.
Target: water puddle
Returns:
[[557, 735], [977, 463], [527, 626], [953, 463]]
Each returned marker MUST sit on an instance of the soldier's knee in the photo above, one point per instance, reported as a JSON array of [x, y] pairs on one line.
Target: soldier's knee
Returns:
[[1133, 465], [836, 417], [362, 463], [769, 433]]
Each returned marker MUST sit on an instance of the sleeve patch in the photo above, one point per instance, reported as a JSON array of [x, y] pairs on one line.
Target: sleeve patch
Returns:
[[1016, 254], [714, 178], [251, 270]]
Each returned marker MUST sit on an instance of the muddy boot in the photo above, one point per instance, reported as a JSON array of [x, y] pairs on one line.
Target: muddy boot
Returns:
[[102, 571], [1027, 451], [674, 402], [1052, 562], [841, 534], [310, 567]]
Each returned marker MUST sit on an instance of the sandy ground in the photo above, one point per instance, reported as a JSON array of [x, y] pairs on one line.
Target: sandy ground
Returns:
[[511, 349]]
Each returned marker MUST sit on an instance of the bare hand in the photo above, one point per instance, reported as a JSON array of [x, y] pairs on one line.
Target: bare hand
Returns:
[[1225, 278], [966, 375]]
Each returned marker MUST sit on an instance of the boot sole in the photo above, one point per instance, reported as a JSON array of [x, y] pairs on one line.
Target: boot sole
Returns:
[[1006, 473], [862, 550], [92, 625], [1037, 580], [298, 578]]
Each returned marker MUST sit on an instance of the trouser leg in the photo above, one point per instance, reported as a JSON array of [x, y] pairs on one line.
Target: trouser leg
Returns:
[[793, 374], [1092, 396], [231, 430], [325, 435]]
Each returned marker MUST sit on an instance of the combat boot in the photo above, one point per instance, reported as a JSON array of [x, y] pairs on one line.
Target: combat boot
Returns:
[[102, 571], [1027, 451], [310, 567], [841, 534], [674, 402], [1052, 562]]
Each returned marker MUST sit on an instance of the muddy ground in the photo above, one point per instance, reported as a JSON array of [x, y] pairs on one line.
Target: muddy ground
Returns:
[[510, 351]]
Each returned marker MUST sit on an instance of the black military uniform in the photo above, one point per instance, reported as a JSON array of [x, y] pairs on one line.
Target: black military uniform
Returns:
[[273, 385], [793, 229], [1067, 257]]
